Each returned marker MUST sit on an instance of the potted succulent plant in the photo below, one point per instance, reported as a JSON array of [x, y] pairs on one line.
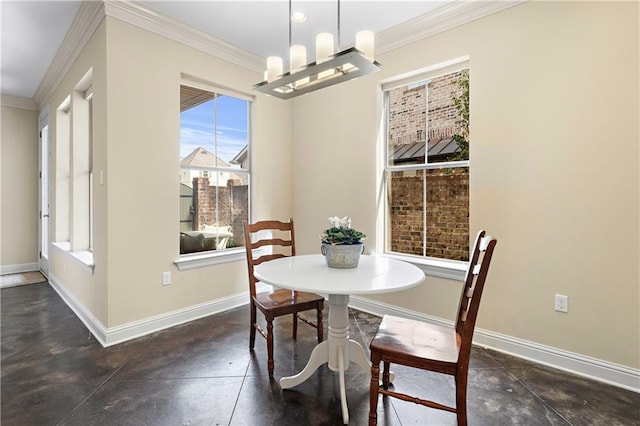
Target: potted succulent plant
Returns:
[[341, 244]]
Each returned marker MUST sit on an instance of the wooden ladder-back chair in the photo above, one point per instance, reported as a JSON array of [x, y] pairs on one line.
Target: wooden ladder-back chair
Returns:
[[280, 301], [438, 348]]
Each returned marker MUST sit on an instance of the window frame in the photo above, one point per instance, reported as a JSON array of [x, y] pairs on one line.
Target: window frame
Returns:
[[88, 97], [62, 194], [74, 194], [444, 268], [215, 257]]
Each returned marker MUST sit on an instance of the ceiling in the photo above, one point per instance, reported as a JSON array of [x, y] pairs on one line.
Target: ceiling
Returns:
[[32, 31]]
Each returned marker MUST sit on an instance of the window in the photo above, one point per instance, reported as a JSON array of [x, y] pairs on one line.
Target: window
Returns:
[[81, 161], [63, 171], [426, 170], [88, 96], [214, 168], [74, 172]]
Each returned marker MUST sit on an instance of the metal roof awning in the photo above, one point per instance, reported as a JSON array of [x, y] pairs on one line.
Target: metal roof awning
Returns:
[[438, 148]]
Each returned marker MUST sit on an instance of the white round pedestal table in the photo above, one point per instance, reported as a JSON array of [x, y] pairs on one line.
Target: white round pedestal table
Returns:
[[374, 274]]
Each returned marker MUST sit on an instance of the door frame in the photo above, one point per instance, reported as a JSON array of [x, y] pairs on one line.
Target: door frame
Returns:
[[44, 189]]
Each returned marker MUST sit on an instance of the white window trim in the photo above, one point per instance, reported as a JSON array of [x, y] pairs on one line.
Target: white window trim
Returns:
[[199, 83], [62, 155], [84, 257], [443, 268], [213, 170], [199, 260], [214, 257], [209, 258], [426, 73]]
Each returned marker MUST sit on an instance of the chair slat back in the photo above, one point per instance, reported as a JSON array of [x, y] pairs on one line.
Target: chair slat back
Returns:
[[472, 292], [255, 244], [272, 242]]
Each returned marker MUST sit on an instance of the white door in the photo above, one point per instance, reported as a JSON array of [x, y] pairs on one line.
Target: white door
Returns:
[[43, 223]]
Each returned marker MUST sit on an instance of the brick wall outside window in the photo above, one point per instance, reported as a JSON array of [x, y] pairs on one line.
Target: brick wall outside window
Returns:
[[447, 213], [447, 192], [232, 206]]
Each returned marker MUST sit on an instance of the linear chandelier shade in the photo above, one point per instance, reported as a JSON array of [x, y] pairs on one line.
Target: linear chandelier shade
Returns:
[[345, 65], [327, 70]]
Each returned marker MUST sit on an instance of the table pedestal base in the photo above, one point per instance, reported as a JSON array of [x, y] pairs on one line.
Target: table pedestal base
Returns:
[[337, 351]]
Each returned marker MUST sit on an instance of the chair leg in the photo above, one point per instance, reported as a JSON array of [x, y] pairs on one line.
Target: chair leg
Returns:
[[270, 346], [373, 389], [461, 399], [319, 325], [252, 329], [385, 374], [295, 326]]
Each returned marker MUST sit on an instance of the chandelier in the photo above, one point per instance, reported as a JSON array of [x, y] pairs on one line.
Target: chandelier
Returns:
[[327, 70]]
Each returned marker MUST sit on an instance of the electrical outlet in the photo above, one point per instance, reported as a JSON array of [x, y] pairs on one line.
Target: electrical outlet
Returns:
[[562, 303], [166, 278]]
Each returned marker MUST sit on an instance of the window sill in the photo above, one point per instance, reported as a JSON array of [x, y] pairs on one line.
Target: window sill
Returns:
[[200, 260], [84, 257], [450, 269]]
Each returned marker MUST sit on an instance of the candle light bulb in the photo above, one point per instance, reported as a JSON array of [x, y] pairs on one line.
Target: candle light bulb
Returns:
[[364, 43], [274, 67], [297, 58], [297, 61], [324, 50]]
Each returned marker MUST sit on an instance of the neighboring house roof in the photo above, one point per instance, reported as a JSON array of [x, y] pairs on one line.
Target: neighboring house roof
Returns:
[[200, 157], [241, 156], [440, 147]]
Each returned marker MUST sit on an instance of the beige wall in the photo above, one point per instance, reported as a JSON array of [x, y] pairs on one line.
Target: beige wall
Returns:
[[142, 173], [136, 83], [88, 289], [19, 187], [554, 170]]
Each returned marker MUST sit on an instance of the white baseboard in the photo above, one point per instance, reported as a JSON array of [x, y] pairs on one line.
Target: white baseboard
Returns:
[[149, 325], [607, 372], [17, 269], [592, 368], [91, 322], [125, 332]]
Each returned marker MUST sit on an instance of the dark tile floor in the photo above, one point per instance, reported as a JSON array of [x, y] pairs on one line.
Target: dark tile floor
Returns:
[[54, 372]]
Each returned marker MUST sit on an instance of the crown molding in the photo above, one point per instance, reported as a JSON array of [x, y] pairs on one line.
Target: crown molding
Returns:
[[441, 19], [18, 102], [163, 25], [91, 14], [88, 18]]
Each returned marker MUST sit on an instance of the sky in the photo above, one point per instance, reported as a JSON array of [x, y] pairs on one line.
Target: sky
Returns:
[[197, 127]]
